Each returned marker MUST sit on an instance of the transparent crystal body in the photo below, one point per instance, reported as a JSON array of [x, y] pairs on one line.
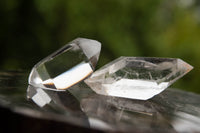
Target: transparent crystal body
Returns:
[[67, 66], [137, 77]]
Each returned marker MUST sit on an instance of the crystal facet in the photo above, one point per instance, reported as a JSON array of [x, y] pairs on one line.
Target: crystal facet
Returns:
[[67, 66], [137, 77]]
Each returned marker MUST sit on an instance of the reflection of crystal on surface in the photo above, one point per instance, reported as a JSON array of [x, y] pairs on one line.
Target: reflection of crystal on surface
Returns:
[[115, 109], [67, 66], [186, 123], [38, 95], [61, 102], [173, 111], [137, 77]]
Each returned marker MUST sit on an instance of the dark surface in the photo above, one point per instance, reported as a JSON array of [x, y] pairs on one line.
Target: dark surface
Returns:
[[17, 123], [81, 110]]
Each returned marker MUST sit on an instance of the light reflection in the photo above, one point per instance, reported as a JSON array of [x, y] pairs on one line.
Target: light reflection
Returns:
[[186, 122], [38, 95], [96, 123], [70, 77], [115, 114], [131, 88]]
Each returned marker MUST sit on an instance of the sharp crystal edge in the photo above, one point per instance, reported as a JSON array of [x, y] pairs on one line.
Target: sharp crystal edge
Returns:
[[137, 77], [67, 66]]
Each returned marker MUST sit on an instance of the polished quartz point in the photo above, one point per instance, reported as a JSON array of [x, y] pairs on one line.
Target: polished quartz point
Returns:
[[67, 66], [137, 77]]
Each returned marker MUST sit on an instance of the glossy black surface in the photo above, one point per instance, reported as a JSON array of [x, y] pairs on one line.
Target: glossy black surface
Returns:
[[171, 111]]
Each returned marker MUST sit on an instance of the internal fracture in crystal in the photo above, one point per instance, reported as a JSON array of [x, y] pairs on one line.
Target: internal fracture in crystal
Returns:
[[67, 66], [137, 77]]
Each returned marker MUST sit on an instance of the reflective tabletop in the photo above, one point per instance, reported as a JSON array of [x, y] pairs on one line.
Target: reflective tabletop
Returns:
[[171, 111]]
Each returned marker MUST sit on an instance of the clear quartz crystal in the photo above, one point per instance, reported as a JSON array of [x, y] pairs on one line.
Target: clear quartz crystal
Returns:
[[137, 77], [67, 66]]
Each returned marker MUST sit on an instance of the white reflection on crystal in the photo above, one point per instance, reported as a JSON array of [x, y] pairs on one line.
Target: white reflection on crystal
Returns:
[[130, 88], [37, 80], [186, 122], [41, 98], [71, 77]]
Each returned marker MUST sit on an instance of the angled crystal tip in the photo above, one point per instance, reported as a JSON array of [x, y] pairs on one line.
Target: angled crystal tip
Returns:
[[67, 66], [137, 77]]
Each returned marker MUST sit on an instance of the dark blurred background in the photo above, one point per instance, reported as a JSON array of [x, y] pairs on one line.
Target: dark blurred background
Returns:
[[32, 29]]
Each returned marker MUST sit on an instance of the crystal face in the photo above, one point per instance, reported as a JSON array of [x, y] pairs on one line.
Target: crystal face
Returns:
[[137, 77], [67, 66]]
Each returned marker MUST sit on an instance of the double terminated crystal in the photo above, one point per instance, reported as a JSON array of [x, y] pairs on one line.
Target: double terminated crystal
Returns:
[[67, 66], [129, 77], [137, 77]]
